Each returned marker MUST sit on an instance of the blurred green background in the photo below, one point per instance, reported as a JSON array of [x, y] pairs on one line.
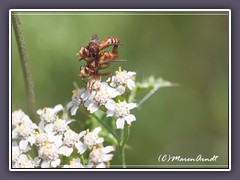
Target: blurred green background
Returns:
[[191, 50]]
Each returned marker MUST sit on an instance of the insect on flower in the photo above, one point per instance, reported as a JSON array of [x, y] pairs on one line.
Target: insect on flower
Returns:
[[93, 50], [96, 58]]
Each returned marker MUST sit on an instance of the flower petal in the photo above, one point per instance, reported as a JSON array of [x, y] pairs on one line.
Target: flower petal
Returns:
[[85, 95], [130, 118], [81, 134], [14, 134], [101, 165], [66, 151], [58, 108], [36, 161], [120, 123], [74, 110], [87, 103], [45, 164], [41, 125], [93, 107], [70, 120], [80, 147], [130, 73], [49, 128], [130, 84], [23, 145], [107, 157], [97, 130], [100, 140], [55, 163], [55, 139], [39, 112], [110, 113], [104, 85], [31, 139], [132, 105], [120, 89], [108, 149], [70, 104], [110, 105]]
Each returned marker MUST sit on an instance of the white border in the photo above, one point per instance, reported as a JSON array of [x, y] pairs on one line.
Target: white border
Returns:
[[121, 10]]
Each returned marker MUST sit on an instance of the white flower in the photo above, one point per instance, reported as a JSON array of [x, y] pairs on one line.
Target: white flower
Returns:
[[40, 139], [18, 149], [19, 117], [49, 152], [100, 156], [49, 115], [123, 78], [91, 138], [60, 125], [48, 163], [101, 97], [57, 127], [56, 139], [15, 151], [71, 140], [78, 99], [48, 146], [74, 163], [24, 162], [24, 130], [23, 145], [122, 111]]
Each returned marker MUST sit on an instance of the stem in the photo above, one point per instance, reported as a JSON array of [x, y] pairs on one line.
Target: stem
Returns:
[[27, 76], [147, 96], [122, 142], [127, 133], [122, 157], [82, 159], [105, 125]]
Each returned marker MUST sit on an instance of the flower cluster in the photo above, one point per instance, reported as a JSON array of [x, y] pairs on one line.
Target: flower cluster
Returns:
[[105, 95], [53, 142], [52, 139]]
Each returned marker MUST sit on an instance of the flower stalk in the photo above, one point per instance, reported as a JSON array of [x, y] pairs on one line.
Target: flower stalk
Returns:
[[124, 135], [24, 59]]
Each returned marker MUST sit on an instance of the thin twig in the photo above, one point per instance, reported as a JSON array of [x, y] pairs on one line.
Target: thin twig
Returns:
[[27, 76], [147, 96]]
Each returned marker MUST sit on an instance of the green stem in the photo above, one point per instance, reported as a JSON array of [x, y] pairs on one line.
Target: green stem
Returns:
[[122, 141], [122, 157], [82, 159], [127, 133], [25, 65], [105, 125]]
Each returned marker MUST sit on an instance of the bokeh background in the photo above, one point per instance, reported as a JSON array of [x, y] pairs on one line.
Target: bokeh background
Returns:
[[190, 49]]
